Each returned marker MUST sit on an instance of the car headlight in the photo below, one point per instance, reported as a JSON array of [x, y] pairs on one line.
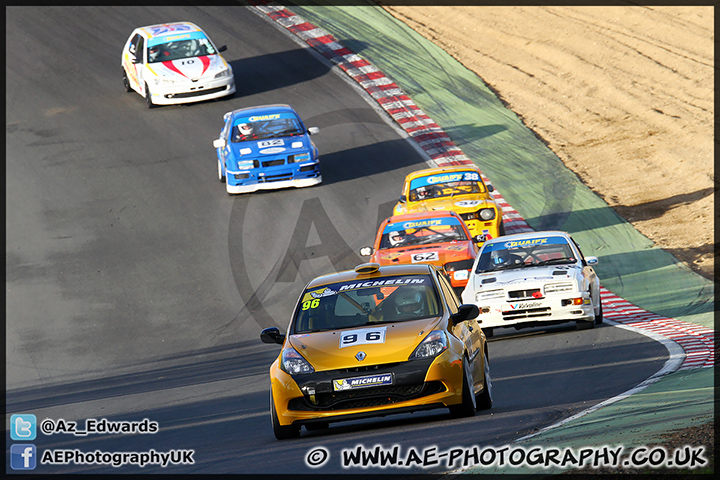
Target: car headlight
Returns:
[[489, 295], [300, 157], [224, 73], [245, 164], [434, 344], [487, 213], [294, 363]]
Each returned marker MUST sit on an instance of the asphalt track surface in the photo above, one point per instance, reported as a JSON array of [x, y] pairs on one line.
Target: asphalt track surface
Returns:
[[136, 287]]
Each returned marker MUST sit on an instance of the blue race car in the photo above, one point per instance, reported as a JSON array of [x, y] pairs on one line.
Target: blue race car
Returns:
[[266, 147]]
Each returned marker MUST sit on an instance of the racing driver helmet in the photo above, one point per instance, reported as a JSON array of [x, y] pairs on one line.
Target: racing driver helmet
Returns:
[[245, 129], [396, 238], [409, 302], [500, 257]]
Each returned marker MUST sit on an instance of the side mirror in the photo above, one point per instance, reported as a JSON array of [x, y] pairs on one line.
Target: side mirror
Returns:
[[272, 335], [222, 48], [466, 311], [491, 188], [367, 251], [592, 260], [313, 130], [403, 199], [219, 143]]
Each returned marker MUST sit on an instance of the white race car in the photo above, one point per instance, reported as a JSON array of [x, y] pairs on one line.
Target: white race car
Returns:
[[173, 63], [529, 279]]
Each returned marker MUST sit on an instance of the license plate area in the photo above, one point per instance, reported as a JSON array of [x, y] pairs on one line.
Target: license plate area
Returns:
[[365, 381]]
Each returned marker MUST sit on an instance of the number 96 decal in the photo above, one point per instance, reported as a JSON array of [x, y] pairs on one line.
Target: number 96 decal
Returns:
[[362, 336]]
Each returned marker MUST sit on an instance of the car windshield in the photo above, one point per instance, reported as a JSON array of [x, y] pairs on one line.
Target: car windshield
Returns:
[[366, 302], [449, 189], [445, 184], [527, 253], [262, 127], [422, 232], [169, 51]]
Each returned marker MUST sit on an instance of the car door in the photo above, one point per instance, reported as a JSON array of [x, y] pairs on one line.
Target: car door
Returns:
[[588, 273], [225, 135], [133, 61], [468, 331]]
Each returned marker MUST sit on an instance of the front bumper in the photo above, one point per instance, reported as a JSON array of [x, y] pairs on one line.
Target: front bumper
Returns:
[[293, 175], [529, 312], [479, 227], [192, 92], [417, 385]]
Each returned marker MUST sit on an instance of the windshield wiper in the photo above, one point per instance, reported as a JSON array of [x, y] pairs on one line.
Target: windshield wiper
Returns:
[[554, 261]]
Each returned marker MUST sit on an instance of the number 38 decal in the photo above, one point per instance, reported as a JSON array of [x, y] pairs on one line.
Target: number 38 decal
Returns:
[[350, 338]]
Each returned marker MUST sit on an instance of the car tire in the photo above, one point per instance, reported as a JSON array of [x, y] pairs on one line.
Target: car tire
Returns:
[[221, 175], [501, 230], [126, 82], [599, 316], [148, 97], [484, 400], [468, 406], [281, 432], [488, 332]]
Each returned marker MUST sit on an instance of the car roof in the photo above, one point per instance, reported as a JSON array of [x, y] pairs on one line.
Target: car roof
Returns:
[[262, 109], [167, 29], [385, 271], [527, 235], [436, 170]]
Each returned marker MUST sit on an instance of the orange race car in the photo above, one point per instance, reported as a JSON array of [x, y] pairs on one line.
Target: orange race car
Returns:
[[459, 189], [439, 238]]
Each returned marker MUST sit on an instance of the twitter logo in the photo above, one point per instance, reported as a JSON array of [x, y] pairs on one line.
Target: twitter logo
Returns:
[[23, 426]]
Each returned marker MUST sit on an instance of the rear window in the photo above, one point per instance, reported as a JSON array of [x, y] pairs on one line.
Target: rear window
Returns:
[[366, 302]]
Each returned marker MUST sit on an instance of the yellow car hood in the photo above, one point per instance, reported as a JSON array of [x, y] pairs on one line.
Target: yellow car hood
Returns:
[[322, 349], [458, 203]]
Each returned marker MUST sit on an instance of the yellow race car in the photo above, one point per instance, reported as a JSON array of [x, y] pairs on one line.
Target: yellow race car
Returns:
[[375, 341], [457, 188]]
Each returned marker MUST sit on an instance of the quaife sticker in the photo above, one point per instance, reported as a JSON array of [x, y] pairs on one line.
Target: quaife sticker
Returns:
[[363, 382], [362, 336]]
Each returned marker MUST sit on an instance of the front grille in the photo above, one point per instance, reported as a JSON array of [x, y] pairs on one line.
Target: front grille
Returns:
[[526, 313], [366, 397], [273, 163], [276, 178], [519, 294], [197, 93]]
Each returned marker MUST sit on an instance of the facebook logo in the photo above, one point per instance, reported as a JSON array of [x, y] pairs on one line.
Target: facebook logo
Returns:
[[22, 456], [23, 426]]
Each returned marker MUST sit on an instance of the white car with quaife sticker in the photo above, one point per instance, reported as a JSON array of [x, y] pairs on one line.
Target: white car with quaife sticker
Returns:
[[174, 63], [530, 279]]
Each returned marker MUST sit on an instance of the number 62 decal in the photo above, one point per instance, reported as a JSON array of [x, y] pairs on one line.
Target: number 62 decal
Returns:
[[362, 336]]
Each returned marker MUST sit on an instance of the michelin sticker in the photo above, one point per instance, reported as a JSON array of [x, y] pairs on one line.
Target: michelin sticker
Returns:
[[362, 382]]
